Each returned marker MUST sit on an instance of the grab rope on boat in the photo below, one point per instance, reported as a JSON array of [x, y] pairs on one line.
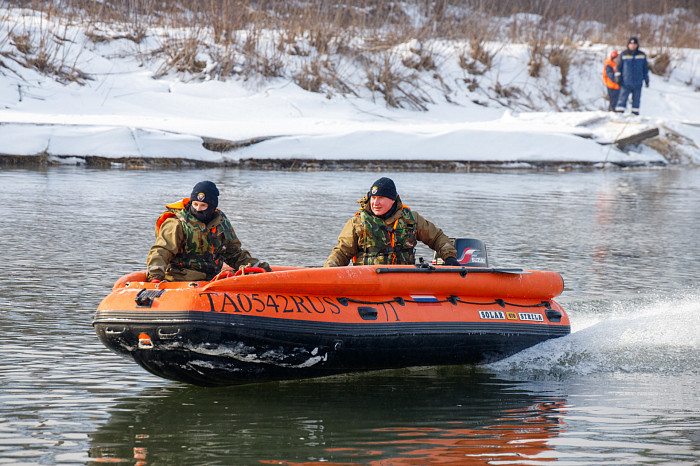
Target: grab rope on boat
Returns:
[[463, 271], [450, 299]]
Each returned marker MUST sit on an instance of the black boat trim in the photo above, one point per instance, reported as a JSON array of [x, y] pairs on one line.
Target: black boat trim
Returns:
[[293, 326]]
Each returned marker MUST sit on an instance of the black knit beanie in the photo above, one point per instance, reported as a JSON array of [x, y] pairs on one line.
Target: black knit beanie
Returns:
[[206, 191], [384, 187]]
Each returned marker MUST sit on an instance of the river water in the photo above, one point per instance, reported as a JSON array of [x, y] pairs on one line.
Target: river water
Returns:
[[622, 388]]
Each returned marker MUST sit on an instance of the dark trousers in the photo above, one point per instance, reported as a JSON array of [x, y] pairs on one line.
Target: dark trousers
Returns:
[[625, 91], [613, 95]]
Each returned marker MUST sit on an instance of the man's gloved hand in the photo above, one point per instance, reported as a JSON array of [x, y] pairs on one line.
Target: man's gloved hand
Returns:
[[452, 262], [264, 265], [646, 84]]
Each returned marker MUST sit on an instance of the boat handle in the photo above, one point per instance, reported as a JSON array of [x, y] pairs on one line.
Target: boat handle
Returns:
[[111, 331], [145, 341], [168, 335], [553, 315], [367, 313]]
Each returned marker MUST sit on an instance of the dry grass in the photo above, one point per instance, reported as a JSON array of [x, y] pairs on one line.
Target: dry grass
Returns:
[[561, 57], [309, 41], [476, 60], [660, 63], [45, 47]]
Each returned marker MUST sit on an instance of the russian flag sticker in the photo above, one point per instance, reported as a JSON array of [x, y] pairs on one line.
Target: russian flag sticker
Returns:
[[423, 299]]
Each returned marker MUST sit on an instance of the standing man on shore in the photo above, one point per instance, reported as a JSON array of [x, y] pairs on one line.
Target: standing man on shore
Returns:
[[632, 71], [609, 79]]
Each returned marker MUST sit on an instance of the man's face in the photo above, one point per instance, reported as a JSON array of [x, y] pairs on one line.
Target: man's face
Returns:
[[380, 204], [632, 46], [199, 206]]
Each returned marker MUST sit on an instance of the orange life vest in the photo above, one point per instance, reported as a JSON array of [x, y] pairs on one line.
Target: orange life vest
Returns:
[[176, 205], [606, 80]]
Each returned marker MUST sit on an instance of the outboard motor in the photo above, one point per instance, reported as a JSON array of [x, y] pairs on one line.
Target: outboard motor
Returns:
[[470, 253]]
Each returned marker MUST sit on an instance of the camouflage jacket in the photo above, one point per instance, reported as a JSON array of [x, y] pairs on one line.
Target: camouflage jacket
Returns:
[[363, 240], [188, 250]]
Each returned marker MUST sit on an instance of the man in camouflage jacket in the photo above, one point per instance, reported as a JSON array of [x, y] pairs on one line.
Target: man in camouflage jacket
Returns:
[[194, 239], [385, 231]]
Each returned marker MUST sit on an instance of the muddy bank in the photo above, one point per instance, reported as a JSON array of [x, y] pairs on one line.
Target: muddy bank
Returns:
[[436, 166]]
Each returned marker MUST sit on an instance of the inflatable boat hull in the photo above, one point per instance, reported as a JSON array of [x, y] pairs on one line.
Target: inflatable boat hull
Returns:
[[304, 322]]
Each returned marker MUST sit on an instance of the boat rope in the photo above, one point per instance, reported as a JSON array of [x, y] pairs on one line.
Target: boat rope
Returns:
[[450, 299], [399, 300], [463, 271]]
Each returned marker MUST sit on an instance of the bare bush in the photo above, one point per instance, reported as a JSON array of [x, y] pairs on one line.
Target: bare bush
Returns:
[[22, 42], [476, 60], [536, 60], [421, 58], [479, 52], [182, 54], [47, 49], [660, 63], [260, 39], [506, 92], [561, 57], [397, 86], [472, 84], [135, 35], [225, 61]]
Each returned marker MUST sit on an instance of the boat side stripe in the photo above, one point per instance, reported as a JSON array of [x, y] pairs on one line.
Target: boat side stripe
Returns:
[[369, 328]]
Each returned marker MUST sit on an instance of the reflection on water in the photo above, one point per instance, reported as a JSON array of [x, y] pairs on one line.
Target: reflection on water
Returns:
[[621, 388], [440, 416]]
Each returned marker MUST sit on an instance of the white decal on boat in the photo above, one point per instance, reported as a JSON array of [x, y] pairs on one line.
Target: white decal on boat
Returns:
[[531, 316], [492, 315]]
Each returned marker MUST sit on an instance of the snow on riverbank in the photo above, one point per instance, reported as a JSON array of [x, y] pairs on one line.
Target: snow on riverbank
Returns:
[[122, 112]]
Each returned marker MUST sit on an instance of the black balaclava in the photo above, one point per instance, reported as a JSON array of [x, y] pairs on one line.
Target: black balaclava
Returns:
[[384, 187], [205, 191]]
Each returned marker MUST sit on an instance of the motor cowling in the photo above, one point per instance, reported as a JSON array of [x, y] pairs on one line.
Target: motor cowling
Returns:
[[470, 253]]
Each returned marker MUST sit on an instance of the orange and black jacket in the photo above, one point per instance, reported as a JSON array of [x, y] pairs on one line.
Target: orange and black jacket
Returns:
[[609, 74]]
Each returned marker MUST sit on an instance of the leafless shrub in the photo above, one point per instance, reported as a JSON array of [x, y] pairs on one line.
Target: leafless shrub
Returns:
[[182, 54], [97, 37], [260, 61], [472, 84], [469, 65], [420, 57], [384, 79], [479, 52], [398, 87], [323, 76], [536, 60], [476, 60], [309, 78], [256, 39], [225, 61], [47, 50], [22, 42], [660, 63], [506, 92], [264, 66], [135, 35], [561, 57]]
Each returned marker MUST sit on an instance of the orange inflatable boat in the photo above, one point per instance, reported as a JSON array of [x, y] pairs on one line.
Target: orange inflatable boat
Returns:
[[297, 322]]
